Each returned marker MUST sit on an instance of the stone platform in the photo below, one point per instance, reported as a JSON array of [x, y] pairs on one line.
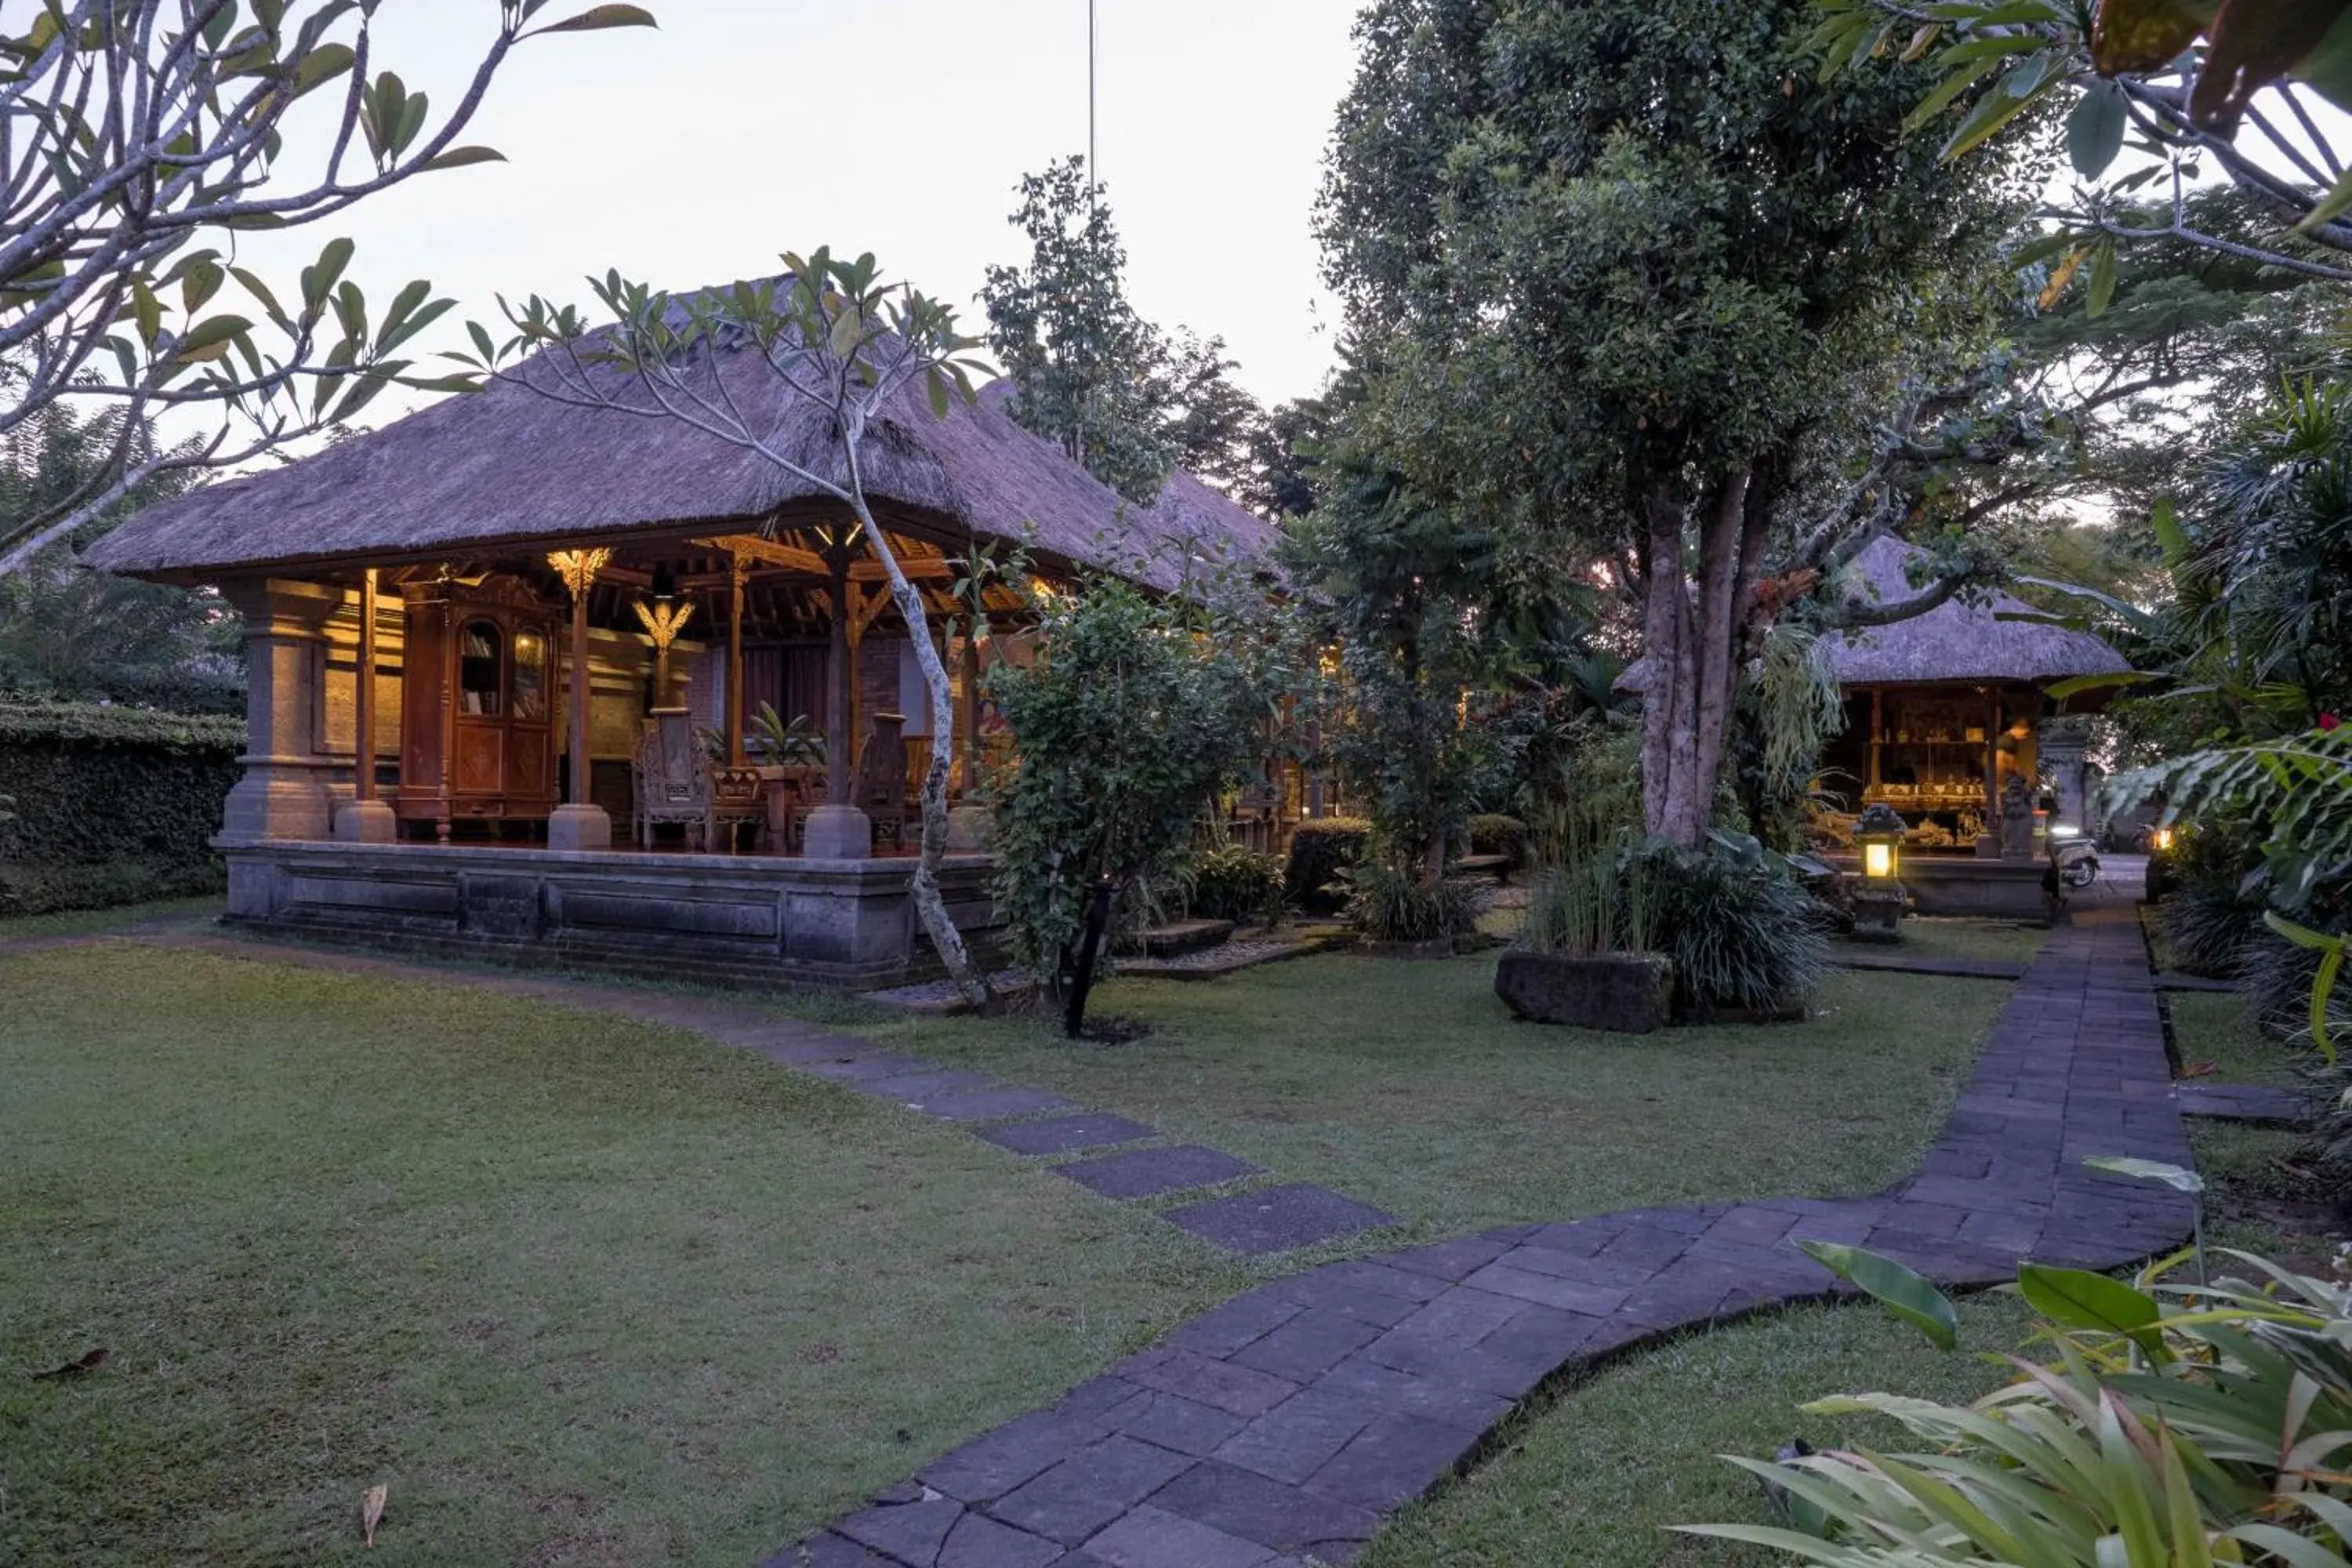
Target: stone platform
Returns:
[[732, 919]]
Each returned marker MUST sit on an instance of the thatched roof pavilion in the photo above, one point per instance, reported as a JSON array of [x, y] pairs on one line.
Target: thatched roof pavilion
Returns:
[[407, 593], [1957, 640]]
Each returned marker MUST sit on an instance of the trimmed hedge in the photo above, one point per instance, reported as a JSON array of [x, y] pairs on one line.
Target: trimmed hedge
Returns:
[[1320, 849], [110, 805]]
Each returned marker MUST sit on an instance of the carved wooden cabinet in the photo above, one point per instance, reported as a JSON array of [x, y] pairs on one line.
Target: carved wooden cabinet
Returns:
[[477, 705]]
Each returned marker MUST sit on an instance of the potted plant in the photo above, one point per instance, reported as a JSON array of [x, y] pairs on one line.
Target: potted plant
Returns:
[[792, 757]]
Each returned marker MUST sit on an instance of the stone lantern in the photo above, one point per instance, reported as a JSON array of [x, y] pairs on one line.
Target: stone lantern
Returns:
[[1878, 899]]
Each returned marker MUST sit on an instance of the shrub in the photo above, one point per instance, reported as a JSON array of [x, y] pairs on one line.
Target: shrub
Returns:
[[110, 805], [1390, 903], [1492, 833], [1234, 882], [1742, 930], [1320, 849], [2174, 1424], [2208, 913]]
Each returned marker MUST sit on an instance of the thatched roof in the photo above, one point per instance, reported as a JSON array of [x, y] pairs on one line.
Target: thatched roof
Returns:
[[1954, 641], [509, 467]]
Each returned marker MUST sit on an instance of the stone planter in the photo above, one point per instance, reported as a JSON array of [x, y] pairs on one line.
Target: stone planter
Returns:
[[1624, 993]]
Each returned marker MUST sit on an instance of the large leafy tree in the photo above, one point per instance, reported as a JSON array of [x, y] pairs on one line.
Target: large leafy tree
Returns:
[[1088, 372], [137, 137], [1646, 285], [73, 635]]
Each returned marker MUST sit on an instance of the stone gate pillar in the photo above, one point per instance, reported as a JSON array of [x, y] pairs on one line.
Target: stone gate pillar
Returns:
[[283, 793], [2062, 748]]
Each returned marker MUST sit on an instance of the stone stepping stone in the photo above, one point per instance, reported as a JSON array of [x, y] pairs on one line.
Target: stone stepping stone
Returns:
[[1067, 1134], [2242, 1102], [1148, 1172], [994, 1104], [1277, 1219]]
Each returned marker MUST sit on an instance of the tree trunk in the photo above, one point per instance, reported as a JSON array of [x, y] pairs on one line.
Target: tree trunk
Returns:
[[930, 906], [1713, 654], [1662, 642], [1082, 972]]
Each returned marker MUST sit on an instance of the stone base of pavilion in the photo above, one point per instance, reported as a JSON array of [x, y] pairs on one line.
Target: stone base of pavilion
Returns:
[[1963, 885], [734, 919]]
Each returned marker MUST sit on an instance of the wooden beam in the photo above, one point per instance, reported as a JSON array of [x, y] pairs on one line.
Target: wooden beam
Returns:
[[796, 558], [864, 612]]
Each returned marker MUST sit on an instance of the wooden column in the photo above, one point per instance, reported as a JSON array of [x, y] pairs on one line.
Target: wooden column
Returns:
[[1877, 738], [844, 685], [363, 698], [735, 572], [1992, 760], [578, 723]]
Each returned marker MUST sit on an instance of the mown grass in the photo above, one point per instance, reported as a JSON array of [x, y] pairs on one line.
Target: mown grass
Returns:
[[1601, 1475], [79, 923], [578, 1291], [1946, 936], [1409, 1085], [2214, 1027]]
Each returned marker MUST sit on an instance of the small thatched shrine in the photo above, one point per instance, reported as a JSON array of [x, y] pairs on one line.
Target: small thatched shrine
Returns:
[[1944, 709], [510, 658]]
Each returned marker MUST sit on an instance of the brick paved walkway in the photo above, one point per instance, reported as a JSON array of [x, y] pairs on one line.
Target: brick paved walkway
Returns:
[[1281, 1428]]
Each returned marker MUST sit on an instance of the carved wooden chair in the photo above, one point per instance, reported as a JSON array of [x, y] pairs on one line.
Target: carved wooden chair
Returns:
[[880, 790], [673, 780]]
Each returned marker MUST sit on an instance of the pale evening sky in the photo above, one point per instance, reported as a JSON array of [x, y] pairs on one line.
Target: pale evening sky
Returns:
[[693, 154]]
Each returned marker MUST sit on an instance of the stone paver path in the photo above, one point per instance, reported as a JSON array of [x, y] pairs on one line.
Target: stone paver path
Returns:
[[1281, 1428], [2267, 1102]]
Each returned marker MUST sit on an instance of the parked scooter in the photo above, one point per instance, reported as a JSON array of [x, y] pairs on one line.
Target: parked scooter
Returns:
[[2076, 857]]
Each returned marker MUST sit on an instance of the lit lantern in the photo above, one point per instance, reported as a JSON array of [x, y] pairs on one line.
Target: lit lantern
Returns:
[[2163, 839], [1879, 830], [1878, 901]]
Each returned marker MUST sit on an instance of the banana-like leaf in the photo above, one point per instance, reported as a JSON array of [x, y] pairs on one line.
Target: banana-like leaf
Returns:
[[1908, 1295]]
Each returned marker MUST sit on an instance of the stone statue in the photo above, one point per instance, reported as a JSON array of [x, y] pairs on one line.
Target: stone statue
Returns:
[[2016, 819]]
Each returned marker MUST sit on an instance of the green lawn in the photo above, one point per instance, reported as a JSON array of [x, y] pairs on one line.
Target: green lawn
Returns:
[[79, 923], [1599, 1476], [578, 1291], [1946, 936], [1408, 1085], [2214, 1027]]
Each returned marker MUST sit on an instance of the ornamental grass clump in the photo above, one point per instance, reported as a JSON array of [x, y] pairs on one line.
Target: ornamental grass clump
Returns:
[[1387, 901], [2171, 1425], [1593, 893]]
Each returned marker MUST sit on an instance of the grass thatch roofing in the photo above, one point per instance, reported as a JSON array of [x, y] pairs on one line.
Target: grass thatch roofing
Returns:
[[509, 467], [1954, 641]]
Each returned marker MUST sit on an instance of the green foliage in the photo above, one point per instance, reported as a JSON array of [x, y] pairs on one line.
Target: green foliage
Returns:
[[68, 635], [1088, 372], [1743, 931], [1234, 882], [2172, 1425], [1136, 713], [110, 805], [1599, 901], [1321, 848], [161, 130], [1493, 833], [2180, 77], [1391, 902], [2209, 913], [785, 742], [1641, 291]]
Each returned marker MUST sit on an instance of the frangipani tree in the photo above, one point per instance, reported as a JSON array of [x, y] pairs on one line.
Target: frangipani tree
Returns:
[[842, 343], [2253, 90], [137, 139]]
